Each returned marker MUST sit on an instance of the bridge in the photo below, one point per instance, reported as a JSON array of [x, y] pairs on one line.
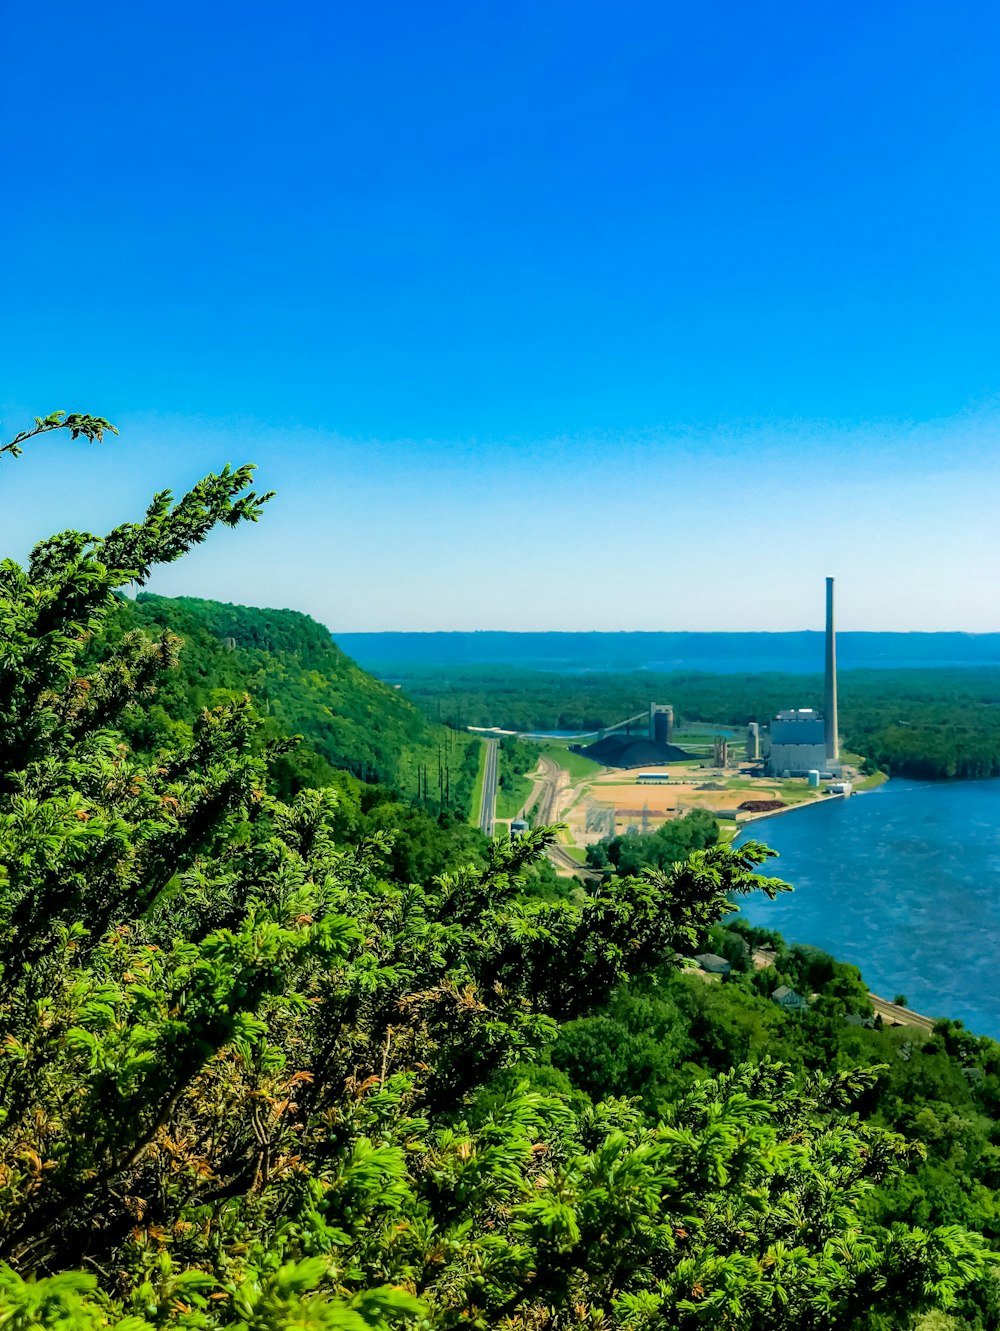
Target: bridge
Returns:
[[487, 731], [709, 730]]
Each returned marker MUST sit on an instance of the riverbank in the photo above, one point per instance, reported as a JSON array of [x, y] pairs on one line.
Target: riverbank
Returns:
[[789, 808], [865, 787]]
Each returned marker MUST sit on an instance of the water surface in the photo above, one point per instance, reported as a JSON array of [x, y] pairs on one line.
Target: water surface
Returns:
[[903, 882]]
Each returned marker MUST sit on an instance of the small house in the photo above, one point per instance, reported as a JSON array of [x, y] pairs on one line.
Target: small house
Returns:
[[708, 961], [788, 999]]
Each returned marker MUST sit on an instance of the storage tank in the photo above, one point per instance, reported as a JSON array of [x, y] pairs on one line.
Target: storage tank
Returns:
[[813, 778]]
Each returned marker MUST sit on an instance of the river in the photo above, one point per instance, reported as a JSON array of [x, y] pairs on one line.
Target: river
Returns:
[[904, 882]]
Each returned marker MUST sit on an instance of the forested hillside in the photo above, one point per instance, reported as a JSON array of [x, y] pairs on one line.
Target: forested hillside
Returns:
[[303, 685], [661, 1034], [258, 1074], [921, 723]]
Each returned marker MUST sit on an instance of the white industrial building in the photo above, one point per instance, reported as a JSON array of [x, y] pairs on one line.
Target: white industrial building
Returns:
[[799, 741]]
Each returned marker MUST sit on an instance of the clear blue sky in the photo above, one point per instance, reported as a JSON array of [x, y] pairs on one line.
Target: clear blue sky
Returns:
[[537, 315]]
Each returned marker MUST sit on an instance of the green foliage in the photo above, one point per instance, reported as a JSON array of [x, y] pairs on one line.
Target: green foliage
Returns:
[[242, 1065], [303, 685], [515, 757], [78, 424], [672, 842], [932, 723], [661, 1035]]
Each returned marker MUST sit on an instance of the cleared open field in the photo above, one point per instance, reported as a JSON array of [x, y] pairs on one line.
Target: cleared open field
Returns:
[[578, 767], [594, 801], [509, 802]]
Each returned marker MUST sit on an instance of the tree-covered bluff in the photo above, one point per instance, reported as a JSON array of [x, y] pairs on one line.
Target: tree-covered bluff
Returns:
[[253, 1079], [302, 684]]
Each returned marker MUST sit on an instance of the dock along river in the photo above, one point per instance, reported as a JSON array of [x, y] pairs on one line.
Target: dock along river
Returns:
[[904, 882]]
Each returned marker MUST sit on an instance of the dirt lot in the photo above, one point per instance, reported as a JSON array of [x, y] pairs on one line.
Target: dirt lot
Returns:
[[691, 786], [669, 799], [587, 806]]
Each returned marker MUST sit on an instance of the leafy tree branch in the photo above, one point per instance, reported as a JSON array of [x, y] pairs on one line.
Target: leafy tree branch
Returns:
[[78, 424]]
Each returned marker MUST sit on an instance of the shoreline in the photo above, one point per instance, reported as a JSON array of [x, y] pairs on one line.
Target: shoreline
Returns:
[[892, 1014], [808, 804], [790, 808]]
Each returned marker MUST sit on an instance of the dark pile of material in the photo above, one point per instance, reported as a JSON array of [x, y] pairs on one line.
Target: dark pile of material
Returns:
[[632, 751]]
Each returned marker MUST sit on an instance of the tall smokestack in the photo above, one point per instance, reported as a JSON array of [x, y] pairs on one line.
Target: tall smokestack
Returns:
[[830, 692]]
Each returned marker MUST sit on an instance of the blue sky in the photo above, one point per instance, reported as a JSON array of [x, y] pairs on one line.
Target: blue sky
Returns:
[[539, 315]]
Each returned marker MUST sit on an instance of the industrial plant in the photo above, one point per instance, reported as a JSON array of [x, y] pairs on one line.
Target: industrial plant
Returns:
[[790, 761], [649, 744], [796, 742], [799, 741]]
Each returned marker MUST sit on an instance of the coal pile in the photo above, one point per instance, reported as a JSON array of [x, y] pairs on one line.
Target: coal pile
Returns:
[[633, 751]]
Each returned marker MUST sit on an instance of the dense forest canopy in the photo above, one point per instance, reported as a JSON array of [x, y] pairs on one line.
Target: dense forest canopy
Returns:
[[256, 1076], [302, 684], [914, 722]]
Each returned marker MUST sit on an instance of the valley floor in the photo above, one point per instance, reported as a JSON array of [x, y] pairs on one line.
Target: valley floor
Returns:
[[595, 802]]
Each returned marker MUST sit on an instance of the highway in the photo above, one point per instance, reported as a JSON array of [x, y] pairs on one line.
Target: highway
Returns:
[[489, 805]]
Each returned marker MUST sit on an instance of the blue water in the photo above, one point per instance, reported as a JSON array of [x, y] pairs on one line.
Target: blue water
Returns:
[[560, 734], [904, 882]]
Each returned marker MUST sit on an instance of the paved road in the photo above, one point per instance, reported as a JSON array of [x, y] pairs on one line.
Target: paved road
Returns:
[[489, 806]]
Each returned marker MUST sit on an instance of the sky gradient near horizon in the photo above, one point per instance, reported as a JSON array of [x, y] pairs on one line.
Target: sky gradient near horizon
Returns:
[[568, 316]]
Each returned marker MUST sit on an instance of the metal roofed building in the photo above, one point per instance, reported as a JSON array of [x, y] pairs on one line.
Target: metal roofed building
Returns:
[[797, 743], [713, 964], [788, 999]]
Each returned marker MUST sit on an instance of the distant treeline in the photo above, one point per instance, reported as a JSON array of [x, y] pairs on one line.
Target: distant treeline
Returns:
[[801, 651], [935, 724]]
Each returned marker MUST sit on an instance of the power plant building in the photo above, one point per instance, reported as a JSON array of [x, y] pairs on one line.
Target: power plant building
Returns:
[[800, 742], [797, 743]]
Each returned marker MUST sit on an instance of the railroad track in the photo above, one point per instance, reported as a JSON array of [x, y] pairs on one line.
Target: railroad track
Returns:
[[560, 858], [554, 782], [897, 1015]]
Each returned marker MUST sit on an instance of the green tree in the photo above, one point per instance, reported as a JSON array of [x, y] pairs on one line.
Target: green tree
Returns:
[[239, 1062], [632, 852]]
